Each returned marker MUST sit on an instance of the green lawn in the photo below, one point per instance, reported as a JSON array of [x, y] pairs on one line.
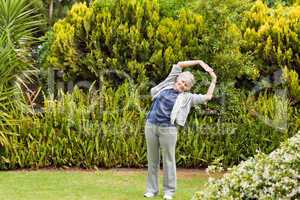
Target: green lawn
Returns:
[[116, 184]]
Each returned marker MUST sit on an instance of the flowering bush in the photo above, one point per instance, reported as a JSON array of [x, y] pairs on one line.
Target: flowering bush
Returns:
[[273, 176]]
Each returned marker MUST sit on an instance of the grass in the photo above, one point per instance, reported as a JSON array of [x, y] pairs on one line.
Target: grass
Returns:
[[115, 184]]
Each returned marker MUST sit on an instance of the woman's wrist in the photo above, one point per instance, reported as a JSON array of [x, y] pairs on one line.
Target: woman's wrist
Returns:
[[213, 76]]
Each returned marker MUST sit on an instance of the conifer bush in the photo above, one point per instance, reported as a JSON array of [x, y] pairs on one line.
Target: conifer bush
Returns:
[[272, 34]]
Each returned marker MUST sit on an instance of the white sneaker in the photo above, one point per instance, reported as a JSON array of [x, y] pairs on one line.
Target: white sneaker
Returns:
[[168, 197], [149, 195]]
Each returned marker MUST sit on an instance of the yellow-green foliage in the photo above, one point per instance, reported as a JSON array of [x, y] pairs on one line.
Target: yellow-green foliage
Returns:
[[273, 34], [104, 36], [178, 39], [63, 45], [80, 17], [222, 36], [69, 32], [292, 80], [132, 36]]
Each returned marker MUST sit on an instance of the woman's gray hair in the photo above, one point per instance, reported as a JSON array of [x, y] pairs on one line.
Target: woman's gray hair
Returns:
[[188, 77]]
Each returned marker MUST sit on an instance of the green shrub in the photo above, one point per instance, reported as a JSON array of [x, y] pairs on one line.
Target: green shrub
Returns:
[[243, 124], [80, 130], [221, 45], [272, 35], [273, 176], [171, 8], [134, 37], [105, 36], [292, 82]]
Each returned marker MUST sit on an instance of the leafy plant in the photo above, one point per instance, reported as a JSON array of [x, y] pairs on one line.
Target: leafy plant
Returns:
[[292, 82], [18, 21], [272, 35], [17, 24], [137, 39]]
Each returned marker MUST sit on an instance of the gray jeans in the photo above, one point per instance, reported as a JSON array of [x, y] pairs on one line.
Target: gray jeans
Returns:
[[165, 138]]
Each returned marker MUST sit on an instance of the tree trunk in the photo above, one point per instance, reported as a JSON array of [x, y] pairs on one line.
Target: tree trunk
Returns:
[[50, 11]]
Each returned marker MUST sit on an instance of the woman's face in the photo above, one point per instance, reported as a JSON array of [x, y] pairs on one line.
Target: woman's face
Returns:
[[181, 86]]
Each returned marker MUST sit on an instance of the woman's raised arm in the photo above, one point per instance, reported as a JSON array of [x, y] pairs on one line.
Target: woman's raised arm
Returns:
[[210, 91], [188, 63]]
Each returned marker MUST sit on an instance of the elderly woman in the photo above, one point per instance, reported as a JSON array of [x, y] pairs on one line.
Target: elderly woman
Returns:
[[172, 102]]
